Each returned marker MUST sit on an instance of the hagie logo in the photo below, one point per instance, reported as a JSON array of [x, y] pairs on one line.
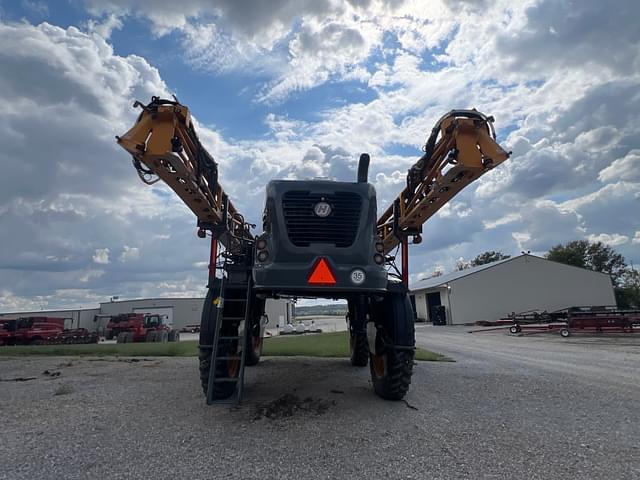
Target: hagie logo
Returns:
[[322, 209]]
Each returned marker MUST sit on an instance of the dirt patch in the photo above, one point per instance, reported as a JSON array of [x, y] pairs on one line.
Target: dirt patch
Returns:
[[289, 405]]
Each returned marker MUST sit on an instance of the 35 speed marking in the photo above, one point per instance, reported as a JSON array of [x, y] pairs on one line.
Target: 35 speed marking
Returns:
[[358, 277]]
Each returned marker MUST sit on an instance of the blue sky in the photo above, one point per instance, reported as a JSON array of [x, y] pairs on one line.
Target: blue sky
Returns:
[[296, 89]]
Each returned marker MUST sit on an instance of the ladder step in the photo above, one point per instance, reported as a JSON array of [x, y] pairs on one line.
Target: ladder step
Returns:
[[231, 319], [243, 300], [230, 338], [236, 357], [225, 380]]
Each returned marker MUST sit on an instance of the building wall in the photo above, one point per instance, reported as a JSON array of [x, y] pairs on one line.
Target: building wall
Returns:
[[186, 311], [421, 302], [525, 283], [278, 312], [421, 306]]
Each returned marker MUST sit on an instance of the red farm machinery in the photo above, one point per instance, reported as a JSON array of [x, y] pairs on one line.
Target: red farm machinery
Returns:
[[138, 327], [598, 320], [42, 331]]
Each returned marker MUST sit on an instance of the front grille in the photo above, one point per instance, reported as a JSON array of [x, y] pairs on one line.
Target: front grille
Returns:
[[340, 228]]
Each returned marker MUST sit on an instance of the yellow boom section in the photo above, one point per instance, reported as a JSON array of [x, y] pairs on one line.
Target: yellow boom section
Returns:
[[164, 146], [461, 148]]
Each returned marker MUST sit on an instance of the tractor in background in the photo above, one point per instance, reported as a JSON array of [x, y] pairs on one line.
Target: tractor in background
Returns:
[[138, 327]]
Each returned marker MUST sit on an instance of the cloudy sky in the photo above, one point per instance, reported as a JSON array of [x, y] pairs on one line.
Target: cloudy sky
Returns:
[[296, 89]]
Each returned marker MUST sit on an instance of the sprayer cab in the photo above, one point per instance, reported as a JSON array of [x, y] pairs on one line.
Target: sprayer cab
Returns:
[[320, 238]]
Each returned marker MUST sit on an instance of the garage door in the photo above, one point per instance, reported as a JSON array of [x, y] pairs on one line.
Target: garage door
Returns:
[[168, 311]]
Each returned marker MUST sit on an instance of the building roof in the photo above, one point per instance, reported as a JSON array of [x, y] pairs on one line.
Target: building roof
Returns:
[[434, 282], [130, 300], [449, 277]]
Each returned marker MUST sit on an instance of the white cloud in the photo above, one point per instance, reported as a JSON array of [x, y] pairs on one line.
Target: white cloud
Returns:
[[611, 239], [91, 274], [636, 238], [101, 256], [129, 253], [626, 169], [509, 218], [106, 26]]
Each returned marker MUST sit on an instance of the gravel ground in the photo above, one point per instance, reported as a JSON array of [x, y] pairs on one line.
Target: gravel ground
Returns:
[[509, 407]]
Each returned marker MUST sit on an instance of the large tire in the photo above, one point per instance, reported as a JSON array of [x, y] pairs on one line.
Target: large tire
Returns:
[[359, 348], [224, 369], [358, 343], [175, 337], [162, 336], [151, 336], [254, 350], [122, 337], [130, 337], [393, 351], [254, 339]]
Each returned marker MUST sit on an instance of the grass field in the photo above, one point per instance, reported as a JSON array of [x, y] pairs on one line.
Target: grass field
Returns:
[[333, 344]]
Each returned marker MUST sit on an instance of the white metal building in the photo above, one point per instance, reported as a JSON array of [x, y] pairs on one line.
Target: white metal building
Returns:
[[180, 312], [518, 284]]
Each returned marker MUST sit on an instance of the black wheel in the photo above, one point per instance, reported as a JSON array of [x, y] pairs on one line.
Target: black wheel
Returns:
[[391, 362], [359, 348], [515, 329], [172, 335], [176, 336], [163, 336], [254, 340], [151, 336], [358, 342], [121, 337], [254, 350], [130, 337], [224, 368]]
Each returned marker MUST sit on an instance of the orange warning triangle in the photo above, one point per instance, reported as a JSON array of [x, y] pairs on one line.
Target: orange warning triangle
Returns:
[[321, 274]]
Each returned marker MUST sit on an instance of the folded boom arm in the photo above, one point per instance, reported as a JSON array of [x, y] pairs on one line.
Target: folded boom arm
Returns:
[[460, 149], [164, 146]]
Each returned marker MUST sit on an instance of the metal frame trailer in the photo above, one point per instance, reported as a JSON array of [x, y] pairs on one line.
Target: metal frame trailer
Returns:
[[596, 320]]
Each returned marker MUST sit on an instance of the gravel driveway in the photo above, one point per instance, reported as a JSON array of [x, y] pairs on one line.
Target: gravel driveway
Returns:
[[509, 407]]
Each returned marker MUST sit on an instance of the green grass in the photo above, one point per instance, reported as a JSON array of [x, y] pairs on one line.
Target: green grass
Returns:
[[317, 345], [335, 344]]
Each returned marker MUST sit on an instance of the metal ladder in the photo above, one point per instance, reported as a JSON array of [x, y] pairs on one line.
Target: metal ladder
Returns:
[[233, 308]]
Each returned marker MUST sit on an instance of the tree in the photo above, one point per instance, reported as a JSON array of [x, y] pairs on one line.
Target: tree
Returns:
[[628, 295], [461, 264], [488, 257], [594, 256]]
